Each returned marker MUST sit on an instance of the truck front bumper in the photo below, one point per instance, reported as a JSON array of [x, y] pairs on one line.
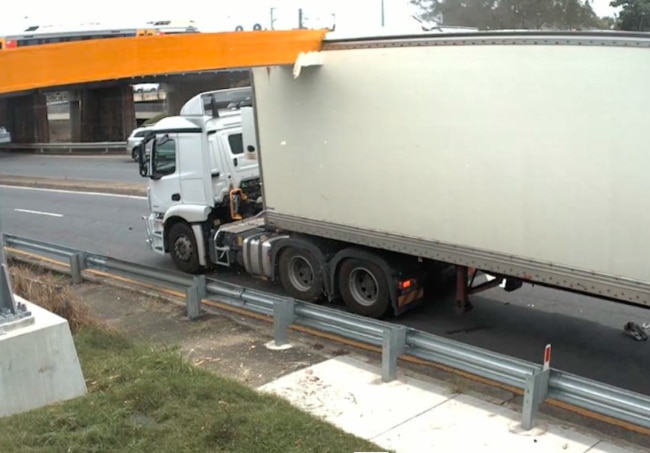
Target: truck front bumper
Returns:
[[154, 230]]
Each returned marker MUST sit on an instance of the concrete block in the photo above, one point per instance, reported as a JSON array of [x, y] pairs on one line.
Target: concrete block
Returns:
[[38, 363]]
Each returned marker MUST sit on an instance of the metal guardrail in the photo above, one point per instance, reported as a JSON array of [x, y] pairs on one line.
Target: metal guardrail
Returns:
[[68, 148], [538, 382]]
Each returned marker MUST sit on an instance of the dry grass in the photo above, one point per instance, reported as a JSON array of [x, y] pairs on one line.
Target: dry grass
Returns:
[[53, 293]]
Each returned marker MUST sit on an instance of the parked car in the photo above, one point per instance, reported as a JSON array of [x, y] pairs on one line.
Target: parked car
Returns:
[[134, 139], [5, 135]]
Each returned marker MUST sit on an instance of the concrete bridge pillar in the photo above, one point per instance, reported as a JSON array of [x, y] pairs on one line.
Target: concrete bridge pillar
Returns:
[[102, 114], [4, 118], [25, 117], [74, 105], [178, 93]]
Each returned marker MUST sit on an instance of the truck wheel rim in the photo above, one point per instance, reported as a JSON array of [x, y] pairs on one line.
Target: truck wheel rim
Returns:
[[301, 274], [363, 287], [183, 248]]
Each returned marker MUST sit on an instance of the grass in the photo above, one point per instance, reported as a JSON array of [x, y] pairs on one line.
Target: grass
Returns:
[[149, 399], [52, 292]]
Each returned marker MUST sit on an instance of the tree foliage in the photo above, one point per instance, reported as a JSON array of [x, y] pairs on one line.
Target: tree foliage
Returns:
[[514, 14], [634, 15]]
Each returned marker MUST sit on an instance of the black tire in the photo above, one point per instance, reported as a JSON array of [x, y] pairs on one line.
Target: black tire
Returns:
[[300, 274], [182, 248], [364, 288], [134, 155]]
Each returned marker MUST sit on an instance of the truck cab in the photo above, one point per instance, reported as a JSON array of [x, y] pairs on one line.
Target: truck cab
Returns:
[[203, 172]]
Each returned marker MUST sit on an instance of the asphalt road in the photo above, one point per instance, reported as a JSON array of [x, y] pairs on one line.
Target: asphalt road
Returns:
[[111, 168], [586, 333]]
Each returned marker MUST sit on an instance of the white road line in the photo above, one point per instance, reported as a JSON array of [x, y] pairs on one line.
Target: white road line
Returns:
[[75, 192], [28, 211]]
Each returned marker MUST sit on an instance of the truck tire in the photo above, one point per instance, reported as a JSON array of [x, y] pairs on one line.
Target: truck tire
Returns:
[[364, 288], [300, 274], [182, 247]]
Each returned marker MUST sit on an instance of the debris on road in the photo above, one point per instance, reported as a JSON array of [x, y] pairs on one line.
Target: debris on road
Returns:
[[636, 331]]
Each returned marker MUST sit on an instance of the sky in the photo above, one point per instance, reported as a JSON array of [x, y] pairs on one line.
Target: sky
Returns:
[[209, 14]]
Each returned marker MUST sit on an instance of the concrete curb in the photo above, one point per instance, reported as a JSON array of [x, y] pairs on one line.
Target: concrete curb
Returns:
[[67, 152], [75, 185]]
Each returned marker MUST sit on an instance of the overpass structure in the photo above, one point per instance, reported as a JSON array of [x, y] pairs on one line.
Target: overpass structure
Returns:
[[97, 75]]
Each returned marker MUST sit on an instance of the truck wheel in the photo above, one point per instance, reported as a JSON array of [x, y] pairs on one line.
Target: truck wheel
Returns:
[[300, 275], [363, 288], [182, 247]]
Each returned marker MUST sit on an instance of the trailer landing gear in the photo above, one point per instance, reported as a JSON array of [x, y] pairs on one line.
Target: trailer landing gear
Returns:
[[463, 305], [464, 286]]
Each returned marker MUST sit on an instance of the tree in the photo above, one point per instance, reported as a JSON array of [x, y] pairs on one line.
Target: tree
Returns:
[[470, 13], [513, 14], [634, 15], [609, 22]]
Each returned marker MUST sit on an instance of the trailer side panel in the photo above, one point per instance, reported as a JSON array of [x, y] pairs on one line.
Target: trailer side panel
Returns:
[[531, 160]]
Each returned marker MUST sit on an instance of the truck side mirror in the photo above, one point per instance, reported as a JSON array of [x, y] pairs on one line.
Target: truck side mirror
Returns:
[[142, 159]]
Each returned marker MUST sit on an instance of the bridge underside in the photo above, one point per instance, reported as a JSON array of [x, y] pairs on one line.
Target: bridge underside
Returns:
[[101, 100], [101, 111]]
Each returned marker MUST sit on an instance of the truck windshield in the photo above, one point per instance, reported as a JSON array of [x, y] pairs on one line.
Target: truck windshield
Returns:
[[164, 161]]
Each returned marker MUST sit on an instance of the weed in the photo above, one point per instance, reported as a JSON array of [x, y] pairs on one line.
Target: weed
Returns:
[[52, 292]]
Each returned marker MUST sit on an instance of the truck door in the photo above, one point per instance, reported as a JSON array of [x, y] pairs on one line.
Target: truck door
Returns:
[[219, 170], [165, 185], [241, 167]]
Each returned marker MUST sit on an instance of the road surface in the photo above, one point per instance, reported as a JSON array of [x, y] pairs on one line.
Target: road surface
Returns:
[[586, 333], [112, 168]]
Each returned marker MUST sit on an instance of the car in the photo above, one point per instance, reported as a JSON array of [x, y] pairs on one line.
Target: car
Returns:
[[134, 139], [5, 135]]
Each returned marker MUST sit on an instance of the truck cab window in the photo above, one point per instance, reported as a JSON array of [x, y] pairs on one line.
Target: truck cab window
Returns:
[[164, 157], [236, 143]]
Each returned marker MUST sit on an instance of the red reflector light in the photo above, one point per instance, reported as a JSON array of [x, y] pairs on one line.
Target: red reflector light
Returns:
[[11, 44], [406, 284]]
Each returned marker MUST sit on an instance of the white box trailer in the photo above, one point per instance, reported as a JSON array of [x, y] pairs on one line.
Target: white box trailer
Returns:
[[522, 155]]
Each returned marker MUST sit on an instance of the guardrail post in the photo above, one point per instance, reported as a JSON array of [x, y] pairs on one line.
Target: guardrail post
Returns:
[[76, 266], [3, 257], [393, 345], [194, 295], [283, 316], [536, 391]]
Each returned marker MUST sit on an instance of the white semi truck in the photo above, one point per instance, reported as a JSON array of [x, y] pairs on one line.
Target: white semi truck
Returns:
[[368, 168]]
